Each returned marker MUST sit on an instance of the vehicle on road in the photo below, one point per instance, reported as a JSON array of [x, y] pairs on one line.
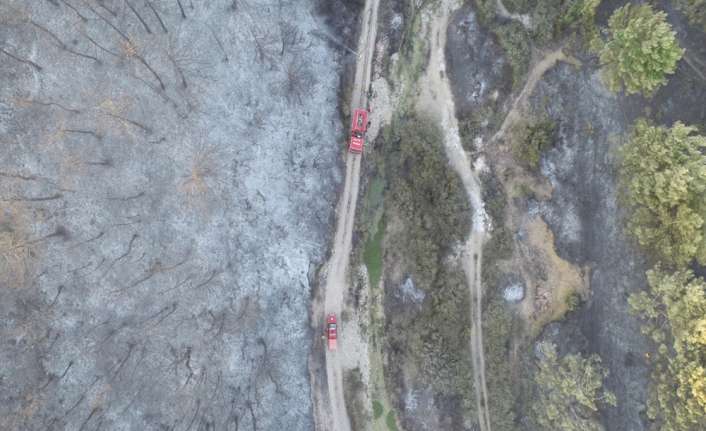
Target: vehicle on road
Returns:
[[358, 128], [331, 331]]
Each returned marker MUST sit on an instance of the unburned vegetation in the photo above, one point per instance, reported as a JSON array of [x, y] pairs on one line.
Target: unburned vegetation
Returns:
[[426, 214]]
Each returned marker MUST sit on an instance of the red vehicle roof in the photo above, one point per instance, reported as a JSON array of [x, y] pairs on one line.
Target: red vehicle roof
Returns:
[[331, 331], [359, 125]]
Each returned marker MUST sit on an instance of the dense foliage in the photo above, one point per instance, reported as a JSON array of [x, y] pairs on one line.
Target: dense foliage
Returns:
[[664, 176], [427, 195], [569, 391], [640, 51], [427, 213], [674, 308]]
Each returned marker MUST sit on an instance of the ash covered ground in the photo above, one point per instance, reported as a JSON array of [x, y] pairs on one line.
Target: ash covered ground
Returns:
[[167, 180]]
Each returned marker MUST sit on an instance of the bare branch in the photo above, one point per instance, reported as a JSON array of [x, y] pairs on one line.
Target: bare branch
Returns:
[[37, 67], [220, 45], [144, 24], [112, 12], [99, 46], [107, 21], [156, 15], [130, 50], [61, 44], [181, 9], [70, 6]]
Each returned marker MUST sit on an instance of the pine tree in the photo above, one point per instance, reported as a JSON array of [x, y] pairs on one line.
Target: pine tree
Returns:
[[640, 51], [664, 178]]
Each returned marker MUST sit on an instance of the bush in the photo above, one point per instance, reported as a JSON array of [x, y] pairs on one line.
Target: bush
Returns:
[[515, 42], [663, 173], [377, 409], [552, 18], [498, 331], [640, 51], [531, 140], [425, 192], [426, 203], [390, 421]]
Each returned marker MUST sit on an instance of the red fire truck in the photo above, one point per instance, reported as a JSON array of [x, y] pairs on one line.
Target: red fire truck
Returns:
[[358, 128]]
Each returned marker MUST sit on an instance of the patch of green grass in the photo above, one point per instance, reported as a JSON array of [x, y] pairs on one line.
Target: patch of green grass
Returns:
[[378, 409], [373, 213], [372, 254], [391, 422]]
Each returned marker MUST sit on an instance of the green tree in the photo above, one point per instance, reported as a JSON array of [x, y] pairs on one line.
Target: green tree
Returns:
[[569, 391], [674, 309], [664, 178], [640, 51]]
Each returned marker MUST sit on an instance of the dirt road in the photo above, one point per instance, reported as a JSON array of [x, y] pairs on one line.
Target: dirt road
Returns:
[[436, 99], [329, 405], [519, 106]]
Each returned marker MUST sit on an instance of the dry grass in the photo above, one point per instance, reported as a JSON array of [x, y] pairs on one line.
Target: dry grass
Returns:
[[550, 279], [128, 49]]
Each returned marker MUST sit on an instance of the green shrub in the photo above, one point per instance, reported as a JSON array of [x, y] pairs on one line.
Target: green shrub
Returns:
[[426, 203], [641, 50], [391, 422], [553, 18], [486, 10], [573, 301], [353, 390], [502, 396], [531, 140], [377, 409], [518, 6], [425, 193], [515, 41]]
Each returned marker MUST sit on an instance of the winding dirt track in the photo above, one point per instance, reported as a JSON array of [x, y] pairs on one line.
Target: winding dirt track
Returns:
[[330, 412], [436, 99]]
